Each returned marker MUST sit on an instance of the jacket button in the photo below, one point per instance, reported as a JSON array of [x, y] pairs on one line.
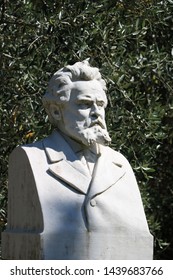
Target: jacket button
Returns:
[[93, 202]]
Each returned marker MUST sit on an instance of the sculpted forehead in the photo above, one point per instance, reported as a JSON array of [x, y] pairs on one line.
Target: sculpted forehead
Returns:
[[91, 89]]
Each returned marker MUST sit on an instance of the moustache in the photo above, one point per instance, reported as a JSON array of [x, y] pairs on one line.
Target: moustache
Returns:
[[97, 122]]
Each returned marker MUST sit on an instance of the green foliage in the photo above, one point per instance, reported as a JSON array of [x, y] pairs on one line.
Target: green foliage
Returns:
[[131, 42]]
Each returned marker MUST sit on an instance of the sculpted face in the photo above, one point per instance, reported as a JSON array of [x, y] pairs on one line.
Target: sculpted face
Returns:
[[83, 117]]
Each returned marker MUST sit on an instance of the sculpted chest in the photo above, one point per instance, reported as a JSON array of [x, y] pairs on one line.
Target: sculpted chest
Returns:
[[69, 195]]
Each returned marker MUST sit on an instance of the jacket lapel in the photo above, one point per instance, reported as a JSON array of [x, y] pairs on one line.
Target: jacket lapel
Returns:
[[64, 164], [107, 172], [69, 174]]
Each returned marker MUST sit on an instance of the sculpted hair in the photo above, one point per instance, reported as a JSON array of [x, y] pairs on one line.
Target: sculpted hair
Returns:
[[61, 83]]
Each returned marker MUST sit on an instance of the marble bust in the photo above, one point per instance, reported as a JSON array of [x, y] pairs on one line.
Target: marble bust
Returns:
[[70, 195]]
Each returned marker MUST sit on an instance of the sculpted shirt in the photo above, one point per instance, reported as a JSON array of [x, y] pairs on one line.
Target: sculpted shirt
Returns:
[[87, 155]]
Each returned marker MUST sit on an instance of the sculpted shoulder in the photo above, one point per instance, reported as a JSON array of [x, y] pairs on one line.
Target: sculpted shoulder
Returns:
[[115, 155], [28, 150]]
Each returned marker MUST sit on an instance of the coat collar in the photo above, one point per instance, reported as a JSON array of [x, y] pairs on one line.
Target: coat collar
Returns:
[[65, 165]]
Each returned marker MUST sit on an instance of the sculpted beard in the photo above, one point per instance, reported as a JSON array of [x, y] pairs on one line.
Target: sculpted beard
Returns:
[[96, 133]]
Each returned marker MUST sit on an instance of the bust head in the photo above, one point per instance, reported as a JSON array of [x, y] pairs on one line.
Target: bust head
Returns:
[[75, 102]]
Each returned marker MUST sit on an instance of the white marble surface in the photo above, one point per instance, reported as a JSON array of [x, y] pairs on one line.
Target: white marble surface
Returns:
[[70, 195]]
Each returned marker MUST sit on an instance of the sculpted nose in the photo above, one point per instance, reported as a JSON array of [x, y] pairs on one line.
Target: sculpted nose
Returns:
[[95, 111]]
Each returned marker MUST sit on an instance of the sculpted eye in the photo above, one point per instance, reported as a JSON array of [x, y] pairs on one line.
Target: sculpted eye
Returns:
[[100, 104], [84, 104]]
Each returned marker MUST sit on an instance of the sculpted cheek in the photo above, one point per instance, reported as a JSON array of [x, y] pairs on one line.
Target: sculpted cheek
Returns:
[[83, 114]]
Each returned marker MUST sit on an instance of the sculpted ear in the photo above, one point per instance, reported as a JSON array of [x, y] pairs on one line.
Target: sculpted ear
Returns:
[[55, 112]]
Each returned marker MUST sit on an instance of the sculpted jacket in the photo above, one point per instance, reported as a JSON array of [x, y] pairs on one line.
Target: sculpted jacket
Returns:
[[56, 210]]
